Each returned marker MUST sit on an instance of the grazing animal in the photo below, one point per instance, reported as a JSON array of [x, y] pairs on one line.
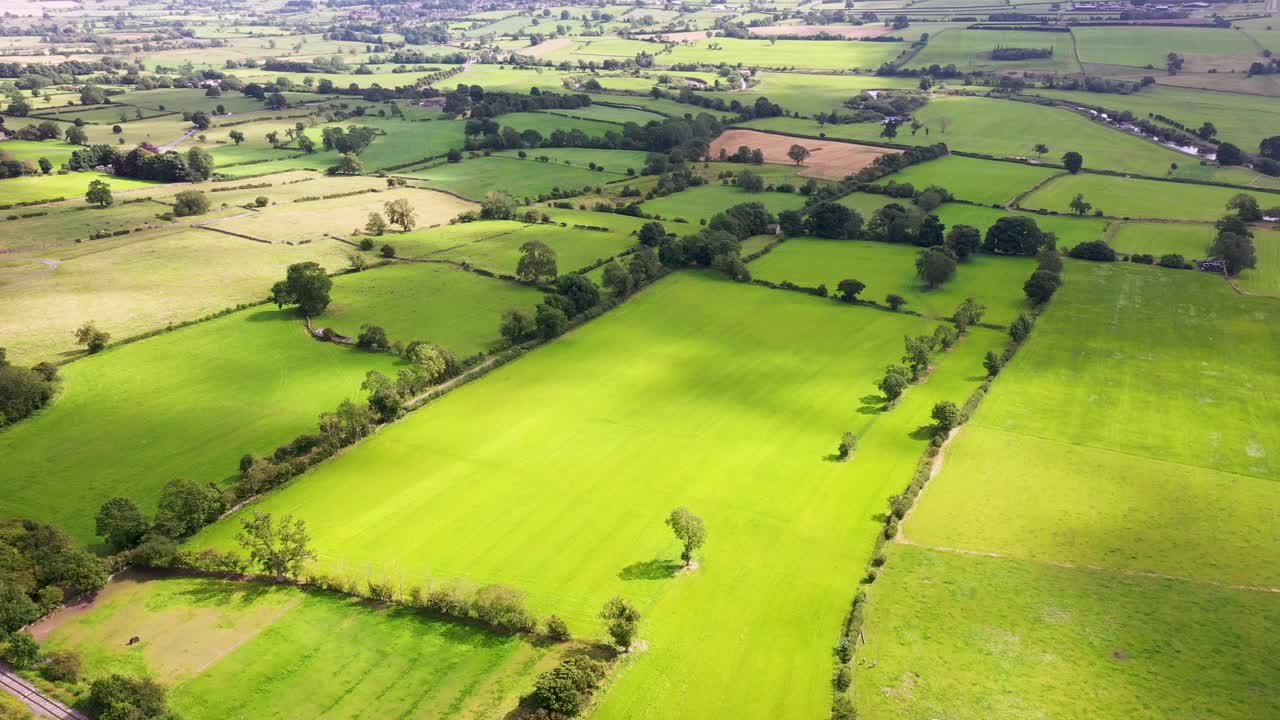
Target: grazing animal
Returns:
[[134, 640]]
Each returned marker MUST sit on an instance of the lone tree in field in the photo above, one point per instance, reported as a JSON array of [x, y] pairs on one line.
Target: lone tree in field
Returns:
[[1073, 161], [1079, 206], [99, 193], [190, 202], [305, 285], [848, 443], [847, 290], [281, 550], [798, 153], [236, 136], [689, 530], [376, 225], [537, 262], [621, 620], [94, 340], [1041, 149], [935, 265], [400, 212]]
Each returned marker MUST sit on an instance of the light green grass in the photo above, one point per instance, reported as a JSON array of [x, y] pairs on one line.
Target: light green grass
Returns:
[[971, 50], [611, 160], [186, 404], [1007, 129], [1070, 230], [704, 201], [574, 248], [809, 94], [32, 150], [1150, 46], [811, 54], [734, 390], [50, 187], [1135, 198], [992, 281], [609, 114], [1265, 279], [956, 636], [1190, 241], [982, 181], [241, 650], [406, 300], [475, 178], [546, 123]]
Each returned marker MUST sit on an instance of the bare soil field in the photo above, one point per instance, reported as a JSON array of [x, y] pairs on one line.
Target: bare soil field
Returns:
[[827, 158], [546, 47]]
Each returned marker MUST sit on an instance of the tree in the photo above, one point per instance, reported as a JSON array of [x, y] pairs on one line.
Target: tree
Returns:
[[946, 417], [930, 233], [551, 321], [61, 666], [94, 340], [848, 289], [992, 363], [1229, 154], [915, 353], [848, 443], [454, 155], [749, 181], [1020, 328], [565, 689], [1245, 207], [376, 225], [968, 313], [1270, 147], [498, 206], [21, 650], [429, 363], [76, 135], [689, 530], [517, 326], [1014, 235], [1236, 251], [557, 630], [348, 164], [200, 120], [798, 153], [644, 265], [935, 265], [1041, 149], [537, 262], [833, 220], [1073, 161], [373, 338], [236, 136], [200, 165], [46, 166], [99, 193], [579, 291], [190, 202], [895, 302], [1079, 206], [791, 222], [963, 241], [185, 507], [1207, 130], [305, 285], [124, 697], [1041, 286], [281, 550], [306, 144], [652, 234], [400, 212], [621, 621], [120, 523], [617, 279], [895, 381]]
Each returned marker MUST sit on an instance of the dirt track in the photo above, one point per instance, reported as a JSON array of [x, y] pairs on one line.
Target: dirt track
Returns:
[[827, 158]]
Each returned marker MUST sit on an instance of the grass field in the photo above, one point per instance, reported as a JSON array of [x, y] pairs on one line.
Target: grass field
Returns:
[[402, 298], [704, 201], [71, 185], [185, 404], [1150, 46], [971, 50], [314, 220], [1190, 241], [32, 150], [522, 178], [982, 181], [957, 636], [1070, 230], [995, 282], [1004, 128], [809, 93], [681, 408], [1135, 198], [1265, 279], [243, 650], [575, 248], [547, 123], [810, 54]]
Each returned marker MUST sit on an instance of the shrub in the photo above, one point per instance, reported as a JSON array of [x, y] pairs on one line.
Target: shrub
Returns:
[[557, 630], [502, 606], [1093, 250], [388, 251], [61, 666], [1174, 260], [946, 416], [21, 650], [1020, 328], [120, 696], [895, 301], [374, 338], [843, 678], [848, 443], [190, 202], [261, 201], [366, 243], [567, 687], [842, 708]]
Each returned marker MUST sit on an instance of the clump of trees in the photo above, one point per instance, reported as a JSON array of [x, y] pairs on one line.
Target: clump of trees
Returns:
[[23, 391], [42, 566], [565, 690], [1046, 278], [93, 339], [190, 202], [622, 621], [146, 162]]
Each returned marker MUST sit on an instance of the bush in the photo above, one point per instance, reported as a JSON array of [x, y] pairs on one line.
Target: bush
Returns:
[[373, 338], [503, 607], [843, 678], [21, 651], [842, 709], [1093, 250], [388, 251], [557, 630], [61, 666], [190, 202], [1020, 328], [120, 696], [261, 201], [567, 687], [366, 243]]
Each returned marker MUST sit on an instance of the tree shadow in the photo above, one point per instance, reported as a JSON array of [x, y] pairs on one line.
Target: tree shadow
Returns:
[[655, 569], [272, 314], [924, 432], [872, 404]]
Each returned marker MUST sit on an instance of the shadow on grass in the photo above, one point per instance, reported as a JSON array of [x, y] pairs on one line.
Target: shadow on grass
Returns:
[[924, 432], [872, 404], [650, 570]]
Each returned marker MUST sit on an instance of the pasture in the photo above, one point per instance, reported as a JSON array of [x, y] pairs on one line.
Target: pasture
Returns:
[[703, 202], [884, 268], [1137, 198], [1142, 47], [1069, 229], [1190, 241], [575, 248], [315, 220], [812, 93], [233, 650], [1265, 279], [975, 180], [971, 50], [36, 188], [522, 178], [184, 404], [682, 408], [809, 54], [427, 301]]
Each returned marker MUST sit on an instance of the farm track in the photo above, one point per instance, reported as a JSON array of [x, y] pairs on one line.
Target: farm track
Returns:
[[40, 704]]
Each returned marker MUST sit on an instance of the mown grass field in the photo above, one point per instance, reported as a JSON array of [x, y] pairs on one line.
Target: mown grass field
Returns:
[[1150, 46], [401, 298], [982, 181], [809, 93], [1265, 279], [71, 185], [185, 404], [885, 268], [971, 50], [521, 178], [246, 650], [314, 220], [704, 201], [667, 408], [575, 248], [1190, 241], [810, 54], [1005, 128], [963, 636], [1135, 198], [32, 150]]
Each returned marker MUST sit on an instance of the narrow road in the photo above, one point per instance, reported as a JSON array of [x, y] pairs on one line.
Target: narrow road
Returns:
[[39, 703]]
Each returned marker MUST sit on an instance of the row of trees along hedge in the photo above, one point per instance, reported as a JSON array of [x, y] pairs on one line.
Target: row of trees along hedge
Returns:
[[23, 391], [146, 162]]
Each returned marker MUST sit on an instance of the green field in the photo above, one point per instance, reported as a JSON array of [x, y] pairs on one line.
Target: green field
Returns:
[[971, 50], [575, 248], [244, 650], [668, 408], [811, 93], [404, 299], [547, 123], [69, 186], [1190, 241], [1007, 129], [522, 178], [1265, 279], [704, 201], [1070, 230], [956, 636], [884, 268], [185, 404], [981, 181], [57, 152], [809, 54], [1134, 198], [1150, 46]]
